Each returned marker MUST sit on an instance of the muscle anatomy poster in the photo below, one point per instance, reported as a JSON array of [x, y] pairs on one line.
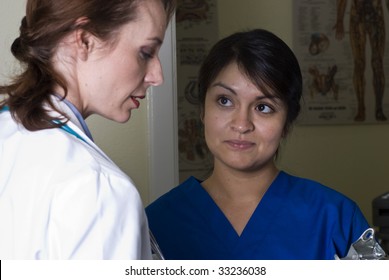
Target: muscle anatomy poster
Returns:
[[343, 50]]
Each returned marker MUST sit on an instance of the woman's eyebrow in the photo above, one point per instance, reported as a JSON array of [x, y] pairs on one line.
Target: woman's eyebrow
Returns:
[[259, 97], [156, 40], [220, 84]]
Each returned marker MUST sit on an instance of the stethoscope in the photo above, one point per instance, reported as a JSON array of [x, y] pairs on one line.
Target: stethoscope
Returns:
[[62, 126], [69, 130], [154, 245]]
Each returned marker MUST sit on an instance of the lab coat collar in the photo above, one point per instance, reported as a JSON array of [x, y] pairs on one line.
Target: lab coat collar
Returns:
[[72, 114]]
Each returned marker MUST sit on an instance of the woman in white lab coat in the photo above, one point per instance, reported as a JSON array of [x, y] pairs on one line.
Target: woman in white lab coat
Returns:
[[61, 197]]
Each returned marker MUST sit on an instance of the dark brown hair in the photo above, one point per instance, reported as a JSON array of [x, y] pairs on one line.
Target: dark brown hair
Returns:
[[45, 24]]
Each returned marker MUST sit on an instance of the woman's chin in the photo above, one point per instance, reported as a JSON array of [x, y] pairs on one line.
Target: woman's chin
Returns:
[[122, 118]]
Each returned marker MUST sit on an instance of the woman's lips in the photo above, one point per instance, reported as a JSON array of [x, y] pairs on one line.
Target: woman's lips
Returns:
[[239, 144], [136, 101]]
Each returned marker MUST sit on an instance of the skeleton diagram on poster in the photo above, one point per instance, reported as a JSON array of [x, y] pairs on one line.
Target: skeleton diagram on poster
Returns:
[[344, 57], [196, 32]]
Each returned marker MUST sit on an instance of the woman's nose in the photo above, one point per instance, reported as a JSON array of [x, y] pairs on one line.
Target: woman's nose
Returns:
[[242, 122], [154, 75]]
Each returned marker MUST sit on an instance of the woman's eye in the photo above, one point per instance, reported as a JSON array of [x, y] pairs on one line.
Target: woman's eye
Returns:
[[264, 108], [146, 55], [224, 101]]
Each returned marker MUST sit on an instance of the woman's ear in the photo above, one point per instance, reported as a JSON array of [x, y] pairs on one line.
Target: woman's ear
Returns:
[[202, 115], [85, 41], [285, 131]]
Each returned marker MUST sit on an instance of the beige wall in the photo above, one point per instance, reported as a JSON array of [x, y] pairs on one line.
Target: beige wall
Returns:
[[353, 159], [9, 23]]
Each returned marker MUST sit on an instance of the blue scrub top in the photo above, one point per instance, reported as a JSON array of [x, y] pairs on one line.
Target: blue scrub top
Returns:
[[296, 219]]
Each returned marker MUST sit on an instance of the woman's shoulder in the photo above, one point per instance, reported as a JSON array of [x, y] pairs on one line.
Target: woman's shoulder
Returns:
[[179, 193], [311, 190], [57, 152]]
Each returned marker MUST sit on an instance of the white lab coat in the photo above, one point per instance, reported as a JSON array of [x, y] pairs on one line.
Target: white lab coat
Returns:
[[62, 198]]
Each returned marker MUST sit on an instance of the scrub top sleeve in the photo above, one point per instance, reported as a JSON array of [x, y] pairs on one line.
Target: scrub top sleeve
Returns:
[[360, 224], [97, 216], [352, 226]]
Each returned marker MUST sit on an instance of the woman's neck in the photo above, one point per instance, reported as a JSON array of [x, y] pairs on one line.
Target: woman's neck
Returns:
[[237, 185], [73, 97], [237, 194]]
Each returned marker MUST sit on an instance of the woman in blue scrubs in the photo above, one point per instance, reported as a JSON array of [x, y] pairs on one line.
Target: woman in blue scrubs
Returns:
[[250, 87]]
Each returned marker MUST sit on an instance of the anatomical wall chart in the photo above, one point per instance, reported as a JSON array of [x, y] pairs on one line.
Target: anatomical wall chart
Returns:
[[343, 50]]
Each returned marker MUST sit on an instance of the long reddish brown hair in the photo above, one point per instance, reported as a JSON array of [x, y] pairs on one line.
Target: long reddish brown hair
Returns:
[[45, 24]]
